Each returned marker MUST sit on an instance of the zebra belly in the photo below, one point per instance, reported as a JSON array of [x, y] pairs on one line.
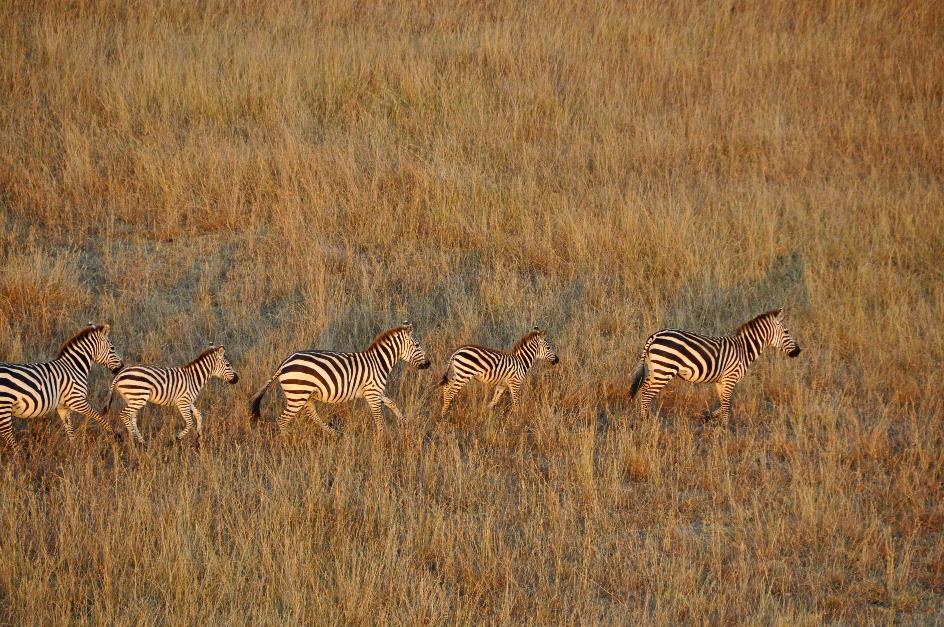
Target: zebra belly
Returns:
[[339, 396], [162, 402], [491, 378], [311, 390], [696, 377], [23, 408]]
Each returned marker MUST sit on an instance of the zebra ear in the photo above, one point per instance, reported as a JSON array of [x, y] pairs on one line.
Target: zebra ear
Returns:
[[408, 324], [535, 328], [105, 328], [780, 313]]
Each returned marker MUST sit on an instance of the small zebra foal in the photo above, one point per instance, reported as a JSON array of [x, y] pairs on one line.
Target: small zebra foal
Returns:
[[140, 385], [507, 369], [699, 359], [31, 390], [332, 377]]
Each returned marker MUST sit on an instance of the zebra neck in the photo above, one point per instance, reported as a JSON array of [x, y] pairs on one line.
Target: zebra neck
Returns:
[[384, 357], [527, 354], [77, 361], [752, 345], [199, 372]]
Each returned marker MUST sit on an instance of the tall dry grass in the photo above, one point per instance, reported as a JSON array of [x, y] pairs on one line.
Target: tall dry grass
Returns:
[[276, 176]]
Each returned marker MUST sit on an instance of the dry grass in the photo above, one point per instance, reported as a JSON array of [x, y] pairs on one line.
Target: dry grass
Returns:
[[275, 176]]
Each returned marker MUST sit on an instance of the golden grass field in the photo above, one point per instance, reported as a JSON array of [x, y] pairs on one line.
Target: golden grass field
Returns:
[[279, 176]]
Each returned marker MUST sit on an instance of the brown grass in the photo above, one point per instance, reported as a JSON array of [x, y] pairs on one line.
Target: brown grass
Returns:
[[280, 176]]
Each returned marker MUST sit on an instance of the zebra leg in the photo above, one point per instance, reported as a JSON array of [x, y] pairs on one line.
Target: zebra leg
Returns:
[[449, 393], [129, 418], [81, 405], [392, 407], [374, 402], [515, 390], [497, 397], [6, 429], [199, 418], [292, 406], [725, 389], [651, 389], [315, 418], [67, 425], [186, 410]]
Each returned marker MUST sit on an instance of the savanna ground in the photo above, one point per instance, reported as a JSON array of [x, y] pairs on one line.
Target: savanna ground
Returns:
[[278, 176]]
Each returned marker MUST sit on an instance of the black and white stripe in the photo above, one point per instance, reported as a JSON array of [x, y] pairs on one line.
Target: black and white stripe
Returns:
[[333, 377], [31, 390], [507, 369], [140, 385], [699, 359]]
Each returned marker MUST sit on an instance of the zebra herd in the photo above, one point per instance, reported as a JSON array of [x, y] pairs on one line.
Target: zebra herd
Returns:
[[32, 390]]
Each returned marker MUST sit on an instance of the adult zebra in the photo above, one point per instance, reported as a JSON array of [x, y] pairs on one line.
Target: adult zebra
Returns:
[[333, 377], [505, 368], [140, 385], [700, 359], [31, 390]]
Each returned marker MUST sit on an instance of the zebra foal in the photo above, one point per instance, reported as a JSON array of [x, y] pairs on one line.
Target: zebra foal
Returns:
[[334, 377], [31, 390], [507, 369], [140, 385], [700, 359]]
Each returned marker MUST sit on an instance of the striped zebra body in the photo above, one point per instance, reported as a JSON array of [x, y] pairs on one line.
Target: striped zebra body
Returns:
[[140, 385], [335, 377], [701, 359], [32, 390], [506, 369]]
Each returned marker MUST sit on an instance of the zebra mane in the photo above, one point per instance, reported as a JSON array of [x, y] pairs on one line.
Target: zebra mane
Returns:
[[523, 341], [753, 321], [202, 355], [81, 335], [380, 339]]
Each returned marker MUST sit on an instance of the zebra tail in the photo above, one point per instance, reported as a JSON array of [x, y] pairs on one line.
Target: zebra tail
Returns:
[[639, 375], [256, 403], [445, 377], [111, 395]]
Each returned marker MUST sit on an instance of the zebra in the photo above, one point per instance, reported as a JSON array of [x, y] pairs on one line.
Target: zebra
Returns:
[[507, 369], [140, 385], [333, 377], [699, 359], [31, 390]]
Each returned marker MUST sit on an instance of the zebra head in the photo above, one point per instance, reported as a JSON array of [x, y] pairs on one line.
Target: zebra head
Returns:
[[103, 351], [781, 338], [544, 350], [221, 368], [410, 349]]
